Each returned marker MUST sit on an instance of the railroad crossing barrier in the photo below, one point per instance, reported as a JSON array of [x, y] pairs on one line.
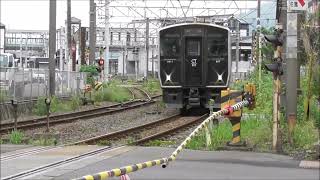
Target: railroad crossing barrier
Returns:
[[248, 101]]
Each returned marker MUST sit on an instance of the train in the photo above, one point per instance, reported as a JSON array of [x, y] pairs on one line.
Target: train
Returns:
[[194, 64]]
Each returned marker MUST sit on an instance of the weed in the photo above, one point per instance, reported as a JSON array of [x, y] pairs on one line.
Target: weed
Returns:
[[104, 143], [130, 140], [1, 141], [160, 143], [44, 142], [16, 137], [75, 103]]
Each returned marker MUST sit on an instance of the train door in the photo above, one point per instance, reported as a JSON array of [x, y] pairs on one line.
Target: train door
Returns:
[[193, 61]]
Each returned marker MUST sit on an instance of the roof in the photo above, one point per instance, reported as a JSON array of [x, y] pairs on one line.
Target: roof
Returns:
[[2, 26]]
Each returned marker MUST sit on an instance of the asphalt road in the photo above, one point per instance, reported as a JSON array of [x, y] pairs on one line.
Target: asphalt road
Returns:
[[197, 165]]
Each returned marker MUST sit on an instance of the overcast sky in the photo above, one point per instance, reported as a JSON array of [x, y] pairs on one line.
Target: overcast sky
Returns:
[[34, 14]]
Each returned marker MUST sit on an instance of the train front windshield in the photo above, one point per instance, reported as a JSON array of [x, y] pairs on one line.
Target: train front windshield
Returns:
[[170, 46]]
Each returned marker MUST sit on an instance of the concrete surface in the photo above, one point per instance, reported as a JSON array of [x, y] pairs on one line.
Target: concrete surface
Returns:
[[31, 161], [7, 148], [191, 165]]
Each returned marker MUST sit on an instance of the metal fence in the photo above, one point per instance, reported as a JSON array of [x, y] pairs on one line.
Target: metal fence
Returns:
[[29, 84]]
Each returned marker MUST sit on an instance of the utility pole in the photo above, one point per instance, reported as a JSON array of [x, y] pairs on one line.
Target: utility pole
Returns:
[[106, 41], [259, 41], [68, 32], [52, 46], [152, 57], [237, 46], [291, 72], [60, 50], [147, 46], [92, 33]]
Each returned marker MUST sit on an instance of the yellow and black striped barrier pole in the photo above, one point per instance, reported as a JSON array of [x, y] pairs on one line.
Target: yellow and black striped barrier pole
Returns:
[[164, 161], [235, 121]]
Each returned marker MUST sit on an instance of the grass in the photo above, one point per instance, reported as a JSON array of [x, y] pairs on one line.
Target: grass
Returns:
[[152, 86], [16, 137], [111, 93]]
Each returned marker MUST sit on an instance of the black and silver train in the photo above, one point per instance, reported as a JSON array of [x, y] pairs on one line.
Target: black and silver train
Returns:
[[195, 64]]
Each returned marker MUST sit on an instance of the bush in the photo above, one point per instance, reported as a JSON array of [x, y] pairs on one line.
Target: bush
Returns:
[[92, 71], [16, 137]]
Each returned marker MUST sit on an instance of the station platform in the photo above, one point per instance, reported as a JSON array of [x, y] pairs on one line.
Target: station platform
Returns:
[[189, 165]]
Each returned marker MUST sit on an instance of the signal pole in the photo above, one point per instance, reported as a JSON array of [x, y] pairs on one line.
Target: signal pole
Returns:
[[52, 46]]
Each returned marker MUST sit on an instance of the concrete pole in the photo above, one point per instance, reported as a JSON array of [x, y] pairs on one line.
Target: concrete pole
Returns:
[[52, 46], [60, 42], [92, 33], [68, 31], [21, 50], [106, 41], [292, 64], [237, 46], [147, 47]]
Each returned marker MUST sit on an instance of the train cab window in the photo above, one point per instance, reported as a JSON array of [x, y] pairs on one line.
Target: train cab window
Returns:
[[193, 48], [217, 48], [170, 47]]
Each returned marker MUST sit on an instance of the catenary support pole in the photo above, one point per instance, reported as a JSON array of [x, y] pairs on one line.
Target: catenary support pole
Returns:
[[147, 47], [259, 41], [92, 33], [106, 41], [68, 32], [52, 46]]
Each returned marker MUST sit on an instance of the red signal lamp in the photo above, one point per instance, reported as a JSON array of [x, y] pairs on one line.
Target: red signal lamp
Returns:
[[101, 62]]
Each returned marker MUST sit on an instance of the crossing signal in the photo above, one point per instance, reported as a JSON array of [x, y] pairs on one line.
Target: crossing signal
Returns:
[[276, 40]]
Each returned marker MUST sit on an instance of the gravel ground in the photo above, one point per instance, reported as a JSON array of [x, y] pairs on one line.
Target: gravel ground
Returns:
[[83, 129]]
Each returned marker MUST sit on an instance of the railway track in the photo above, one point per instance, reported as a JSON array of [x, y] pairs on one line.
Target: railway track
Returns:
[[160, 129], [148, 131], [69, 117]]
